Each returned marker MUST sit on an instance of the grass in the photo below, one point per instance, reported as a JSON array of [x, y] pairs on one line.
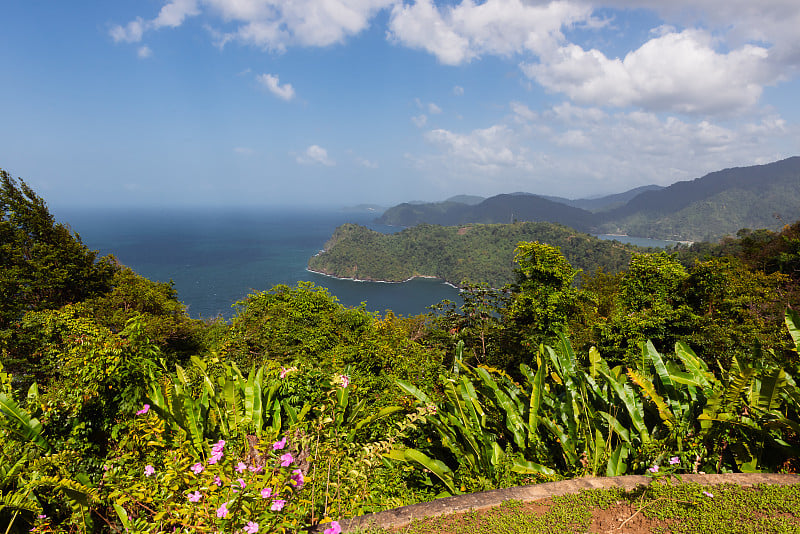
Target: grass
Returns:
[[659, 508]]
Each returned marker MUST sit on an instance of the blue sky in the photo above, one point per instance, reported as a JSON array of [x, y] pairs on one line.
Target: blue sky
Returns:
[[350, 101]]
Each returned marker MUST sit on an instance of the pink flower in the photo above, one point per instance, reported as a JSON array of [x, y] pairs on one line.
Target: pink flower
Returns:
[[217, 480], [216, 452], [674, 460], [144, 410], [287, 370], [653, 469], [335, 528], [197, 468], [148, 470], [256, 468], [345, 381], [194, 497], [286, 459], [708, 494], [241, 482], [251, 527], [266, 493], [240, 467], [222, 511], [297, 479], [278, 445], [277, 505]]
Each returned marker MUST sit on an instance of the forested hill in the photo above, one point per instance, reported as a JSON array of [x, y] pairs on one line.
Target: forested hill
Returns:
[[718, 204], [704, 209], [472, 253], [505, 208]]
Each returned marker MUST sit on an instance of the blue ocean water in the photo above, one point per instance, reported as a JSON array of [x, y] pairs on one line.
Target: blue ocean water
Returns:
[[217, 256]]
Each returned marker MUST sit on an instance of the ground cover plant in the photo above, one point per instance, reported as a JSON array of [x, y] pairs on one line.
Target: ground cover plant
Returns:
[[670, 508]]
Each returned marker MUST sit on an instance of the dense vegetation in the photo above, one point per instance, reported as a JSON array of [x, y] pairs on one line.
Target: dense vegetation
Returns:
[[476, 253], [705, 209], [120, 413]]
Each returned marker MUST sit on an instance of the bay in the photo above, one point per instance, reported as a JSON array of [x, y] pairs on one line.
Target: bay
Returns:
[[217, 256]]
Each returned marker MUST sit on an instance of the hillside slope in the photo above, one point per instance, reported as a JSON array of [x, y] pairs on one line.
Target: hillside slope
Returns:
[[703, 209], [457, 254], [718, 204]]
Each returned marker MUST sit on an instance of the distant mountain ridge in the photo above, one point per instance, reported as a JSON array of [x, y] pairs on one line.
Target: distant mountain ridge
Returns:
[[703, 209], [607, 202], [505, 208]]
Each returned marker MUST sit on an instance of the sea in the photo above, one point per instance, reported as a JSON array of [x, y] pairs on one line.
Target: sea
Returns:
[[217, 256]]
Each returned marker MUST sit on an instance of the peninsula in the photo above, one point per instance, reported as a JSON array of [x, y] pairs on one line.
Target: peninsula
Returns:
[[474, 253]]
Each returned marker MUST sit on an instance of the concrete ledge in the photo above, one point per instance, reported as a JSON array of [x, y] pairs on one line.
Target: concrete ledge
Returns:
[[400, 517]]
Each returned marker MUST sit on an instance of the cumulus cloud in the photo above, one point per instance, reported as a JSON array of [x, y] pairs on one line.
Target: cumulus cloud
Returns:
[[272, 82], [706, 57], [488, 149], [315, 154], [144, 52], [175, 12], [678, 72], [458, 90], [534, 150], [269, 24], [274, 24], [433, 109], [459, 33], [130, 33], [420, 120]]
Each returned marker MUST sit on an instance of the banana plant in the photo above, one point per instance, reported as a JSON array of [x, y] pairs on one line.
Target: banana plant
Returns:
[[20, 422], [751, 407], [232, 406]]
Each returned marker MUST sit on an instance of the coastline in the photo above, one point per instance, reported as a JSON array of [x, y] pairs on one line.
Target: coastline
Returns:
[[428, 277]]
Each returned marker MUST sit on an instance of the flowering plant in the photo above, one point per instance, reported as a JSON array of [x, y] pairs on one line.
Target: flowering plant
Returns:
[[220, 494]]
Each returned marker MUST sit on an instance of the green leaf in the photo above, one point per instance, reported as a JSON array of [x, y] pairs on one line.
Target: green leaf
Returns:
[[22, 423], [792, 319], [123, 516], [412, 390], [616, 462], [527, 467]]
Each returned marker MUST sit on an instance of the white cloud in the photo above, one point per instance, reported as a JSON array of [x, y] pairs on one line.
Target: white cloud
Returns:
[[272, 82], [175, 12], [460, 33], [130, 33], [704, 57], [144, 52], [673, 72], [366, 163], [523, 111], [420, 120], [243, 151], [315, 154], [535, 150], [487, 150], [458, 90], [433, 109], [274, 25]]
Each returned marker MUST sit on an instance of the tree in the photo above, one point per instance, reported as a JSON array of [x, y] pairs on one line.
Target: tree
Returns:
[[544, 296], [43, 265]]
